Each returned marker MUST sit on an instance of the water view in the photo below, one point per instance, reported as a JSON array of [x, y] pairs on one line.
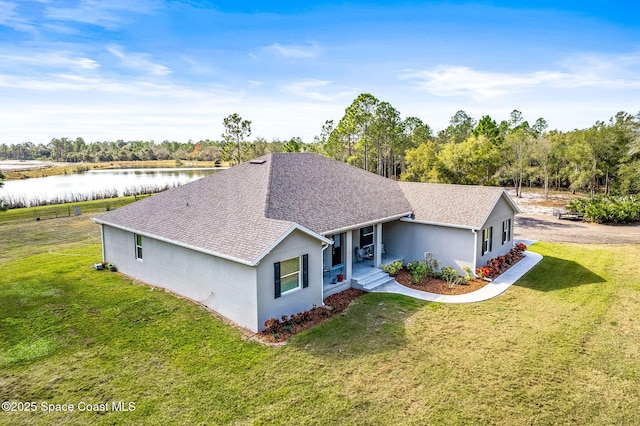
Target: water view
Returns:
[[97, 184]]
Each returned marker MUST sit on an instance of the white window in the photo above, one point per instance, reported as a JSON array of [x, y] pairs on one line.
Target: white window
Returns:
[[487, 236], [138, 239], [291, 274], [506, 231]]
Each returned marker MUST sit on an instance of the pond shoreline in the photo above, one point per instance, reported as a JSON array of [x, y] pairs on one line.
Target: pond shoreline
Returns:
[[27, 169], [86, 185]]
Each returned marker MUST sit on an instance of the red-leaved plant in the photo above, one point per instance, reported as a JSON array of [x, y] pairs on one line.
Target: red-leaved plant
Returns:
[[498, 265]]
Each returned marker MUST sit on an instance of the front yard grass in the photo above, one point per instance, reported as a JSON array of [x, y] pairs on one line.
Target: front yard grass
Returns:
[[560, 346]]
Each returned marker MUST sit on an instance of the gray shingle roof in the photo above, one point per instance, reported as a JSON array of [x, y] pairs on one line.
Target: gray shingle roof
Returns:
[[326, 195], [241, 213], [458, 205], [222, 213]]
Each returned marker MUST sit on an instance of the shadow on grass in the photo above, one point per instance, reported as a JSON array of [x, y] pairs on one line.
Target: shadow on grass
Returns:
[[375, 322], [553, 273]]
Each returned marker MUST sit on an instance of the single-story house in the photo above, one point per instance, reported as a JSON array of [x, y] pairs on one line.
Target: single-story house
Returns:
[[276, 235]]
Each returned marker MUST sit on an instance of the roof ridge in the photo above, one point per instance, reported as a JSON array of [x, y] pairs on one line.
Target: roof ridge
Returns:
[[267, 198], [465, 185]]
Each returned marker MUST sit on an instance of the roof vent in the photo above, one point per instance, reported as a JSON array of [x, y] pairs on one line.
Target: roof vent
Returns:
[[257, 161]]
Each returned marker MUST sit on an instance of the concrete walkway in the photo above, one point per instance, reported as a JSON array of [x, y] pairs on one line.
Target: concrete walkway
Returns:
[[494, 288]]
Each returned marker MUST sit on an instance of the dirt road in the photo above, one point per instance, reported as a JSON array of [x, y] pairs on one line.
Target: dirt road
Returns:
[[548, 228]]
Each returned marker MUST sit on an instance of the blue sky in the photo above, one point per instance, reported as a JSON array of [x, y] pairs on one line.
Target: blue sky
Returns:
[[153, 69]]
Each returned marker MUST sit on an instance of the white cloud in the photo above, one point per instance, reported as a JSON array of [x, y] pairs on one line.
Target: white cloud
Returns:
[[99, 108], [10, 18], [138, 61], [311, 89], [53, 59], [91, 86], [108, 14], [196, 67], [294, 51], [576, 72]]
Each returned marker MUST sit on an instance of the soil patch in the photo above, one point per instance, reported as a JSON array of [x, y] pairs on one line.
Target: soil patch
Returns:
[[548, 228], [279, 330], [537, 222], [438, 286]]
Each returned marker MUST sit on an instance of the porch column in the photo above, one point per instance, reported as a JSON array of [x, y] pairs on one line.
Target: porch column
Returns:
[[377, 246], [348, 256]]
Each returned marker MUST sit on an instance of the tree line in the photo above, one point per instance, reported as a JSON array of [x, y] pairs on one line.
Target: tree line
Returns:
[[231, 148], [77, 150], [601, 159], [373, 135], [604, 158]]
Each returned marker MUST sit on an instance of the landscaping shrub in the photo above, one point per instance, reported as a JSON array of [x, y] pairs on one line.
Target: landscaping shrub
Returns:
[[450, 275], [419, 269], [432, 265], [498, 265], [468, 274], [607, 209], [393, 268], [280, 329]]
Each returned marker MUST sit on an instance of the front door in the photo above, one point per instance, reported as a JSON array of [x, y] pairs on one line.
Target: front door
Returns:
[[336, 256]]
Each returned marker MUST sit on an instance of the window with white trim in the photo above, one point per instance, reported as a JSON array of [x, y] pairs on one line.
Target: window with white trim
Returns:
[[138, 239], [487, 237], [506, 231], [291, 274]]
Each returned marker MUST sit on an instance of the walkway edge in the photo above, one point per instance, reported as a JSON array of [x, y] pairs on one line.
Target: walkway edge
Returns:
[[491, 290]]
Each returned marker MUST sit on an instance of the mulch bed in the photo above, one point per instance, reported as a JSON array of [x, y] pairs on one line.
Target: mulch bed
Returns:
[[281, 329], [341, 301], [438, 286]]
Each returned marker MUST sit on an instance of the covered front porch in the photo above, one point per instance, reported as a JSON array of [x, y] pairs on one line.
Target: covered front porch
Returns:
[[364, 275], [355, 256]]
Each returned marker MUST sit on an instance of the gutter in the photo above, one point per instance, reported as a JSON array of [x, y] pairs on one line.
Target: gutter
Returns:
[[167, 240], [325, 242], [447, 225], [369, 223]]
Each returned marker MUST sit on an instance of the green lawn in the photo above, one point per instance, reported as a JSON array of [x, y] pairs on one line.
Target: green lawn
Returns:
[[561, 346], [57, 211]]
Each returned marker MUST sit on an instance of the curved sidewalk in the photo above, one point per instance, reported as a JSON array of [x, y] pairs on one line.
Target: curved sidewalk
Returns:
[[494, 288]]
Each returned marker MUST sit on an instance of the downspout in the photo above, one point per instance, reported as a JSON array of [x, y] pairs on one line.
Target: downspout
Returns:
[[324, 247], [102, 239], [475, 251]]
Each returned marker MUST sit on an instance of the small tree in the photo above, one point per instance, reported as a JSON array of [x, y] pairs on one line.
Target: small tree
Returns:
[[3, 205], [292, 146], [236, 129]]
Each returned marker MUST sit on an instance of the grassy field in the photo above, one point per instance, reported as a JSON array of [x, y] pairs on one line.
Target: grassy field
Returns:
[[57, 211], [561, 346]]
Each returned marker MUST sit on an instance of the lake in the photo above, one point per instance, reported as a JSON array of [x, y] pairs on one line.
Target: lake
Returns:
[[97, 184]]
